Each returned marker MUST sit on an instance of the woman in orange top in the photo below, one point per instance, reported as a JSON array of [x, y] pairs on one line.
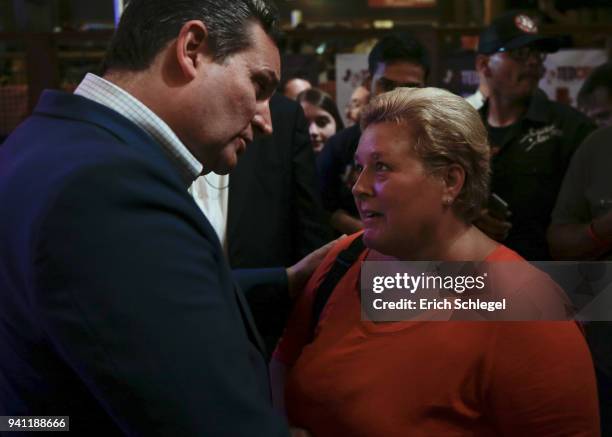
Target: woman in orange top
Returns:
[[424, 167]]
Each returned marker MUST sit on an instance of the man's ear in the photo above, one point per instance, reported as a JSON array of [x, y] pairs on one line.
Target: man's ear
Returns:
[[453, 178], [482, 65], [191, 45]]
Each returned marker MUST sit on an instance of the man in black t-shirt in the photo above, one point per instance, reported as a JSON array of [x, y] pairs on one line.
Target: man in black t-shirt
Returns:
[[532, 138]]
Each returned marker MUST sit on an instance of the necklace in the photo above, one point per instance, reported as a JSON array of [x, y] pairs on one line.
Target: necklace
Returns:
[[210, 184]]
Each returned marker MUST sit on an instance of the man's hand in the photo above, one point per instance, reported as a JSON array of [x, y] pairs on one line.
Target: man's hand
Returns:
[[299, 273], [492, 226]]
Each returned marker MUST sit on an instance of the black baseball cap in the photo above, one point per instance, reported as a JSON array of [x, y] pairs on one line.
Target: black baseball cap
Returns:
[[513, 30]]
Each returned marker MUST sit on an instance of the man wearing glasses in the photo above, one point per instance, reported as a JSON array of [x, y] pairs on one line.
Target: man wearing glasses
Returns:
[[532, 138], [397, 60]]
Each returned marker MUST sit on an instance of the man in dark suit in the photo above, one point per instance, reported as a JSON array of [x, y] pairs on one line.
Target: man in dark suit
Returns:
[[275, 216], [118, 308]]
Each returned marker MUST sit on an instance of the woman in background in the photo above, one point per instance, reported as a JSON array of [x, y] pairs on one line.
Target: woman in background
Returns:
[[423, 163], [322, 114]]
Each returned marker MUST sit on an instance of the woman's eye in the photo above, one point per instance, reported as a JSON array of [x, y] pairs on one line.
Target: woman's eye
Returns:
[[358, 167], [381, 167]]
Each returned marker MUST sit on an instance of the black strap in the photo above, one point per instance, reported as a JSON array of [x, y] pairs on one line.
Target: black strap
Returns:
[[343, 262]]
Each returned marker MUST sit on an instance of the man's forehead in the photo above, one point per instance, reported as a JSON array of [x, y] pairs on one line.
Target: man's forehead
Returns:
[[401, 71]]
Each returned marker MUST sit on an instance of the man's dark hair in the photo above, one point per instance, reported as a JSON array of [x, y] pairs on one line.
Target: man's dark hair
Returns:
[[399, 47], [147, 26], [600, 77]]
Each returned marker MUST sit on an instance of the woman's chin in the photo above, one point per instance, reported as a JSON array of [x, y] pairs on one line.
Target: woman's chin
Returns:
[[371, 239], [381, 244]]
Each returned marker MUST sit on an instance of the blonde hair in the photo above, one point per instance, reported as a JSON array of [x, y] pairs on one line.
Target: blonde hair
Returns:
[[448, 131]]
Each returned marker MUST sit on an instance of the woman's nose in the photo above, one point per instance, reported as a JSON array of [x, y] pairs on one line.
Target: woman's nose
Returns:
[[362, 186]]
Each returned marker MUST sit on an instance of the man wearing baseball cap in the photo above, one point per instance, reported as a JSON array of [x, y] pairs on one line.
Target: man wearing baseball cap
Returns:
[[532, 138]]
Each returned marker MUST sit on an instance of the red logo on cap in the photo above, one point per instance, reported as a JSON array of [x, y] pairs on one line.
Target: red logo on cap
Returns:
[[525, 23]]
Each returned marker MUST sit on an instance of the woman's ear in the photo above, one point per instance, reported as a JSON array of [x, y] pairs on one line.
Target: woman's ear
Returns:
[[453, 178]]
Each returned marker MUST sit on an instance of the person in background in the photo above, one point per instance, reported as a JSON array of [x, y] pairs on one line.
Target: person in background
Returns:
[[118, 307], [294, 86], [595, 95], [532, 138], [581, 227], [397, 60], [581, 230], [423, 171], [323, 117], [359, 98]]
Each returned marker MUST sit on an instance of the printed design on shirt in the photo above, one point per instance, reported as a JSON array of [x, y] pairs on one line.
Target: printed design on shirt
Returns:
[[536, 136], [525, 23]]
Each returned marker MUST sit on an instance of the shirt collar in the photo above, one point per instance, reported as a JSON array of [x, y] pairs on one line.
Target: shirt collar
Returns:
[[110, 95]]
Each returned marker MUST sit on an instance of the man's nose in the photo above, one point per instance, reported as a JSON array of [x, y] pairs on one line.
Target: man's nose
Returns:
[[262, 121]]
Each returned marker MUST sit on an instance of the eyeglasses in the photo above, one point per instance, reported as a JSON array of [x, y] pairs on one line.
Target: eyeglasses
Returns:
[[387, 85], [522, 54]]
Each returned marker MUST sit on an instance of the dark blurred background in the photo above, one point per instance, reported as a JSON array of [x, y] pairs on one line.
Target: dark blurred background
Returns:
[[53, 43]]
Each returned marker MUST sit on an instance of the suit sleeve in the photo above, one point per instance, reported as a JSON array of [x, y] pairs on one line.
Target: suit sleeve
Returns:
[[312, 229], [251, 279], [136, 297]]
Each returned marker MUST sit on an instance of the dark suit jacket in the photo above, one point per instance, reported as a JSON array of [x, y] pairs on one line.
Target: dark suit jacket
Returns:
[[275, 216], [117, 306]]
